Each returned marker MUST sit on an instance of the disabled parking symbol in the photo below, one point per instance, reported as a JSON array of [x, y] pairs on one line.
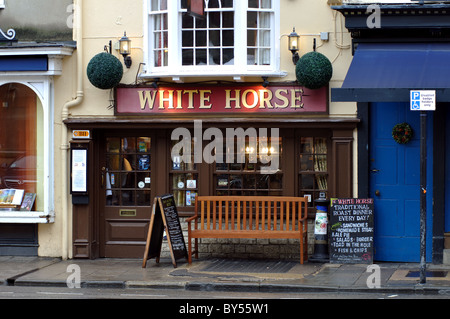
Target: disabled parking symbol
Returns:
[[415, 100]]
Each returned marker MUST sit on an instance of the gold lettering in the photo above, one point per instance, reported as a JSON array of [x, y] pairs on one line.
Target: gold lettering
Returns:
[[162, 99], [282, 98], [229, 99], [179, 95], [244, 99], [204, 98], [147, 97], [264, 99], [295, 98], [190, 97]]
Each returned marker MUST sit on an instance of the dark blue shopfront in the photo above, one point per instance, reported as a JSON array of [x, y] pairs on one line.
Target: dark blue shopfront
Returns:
[[380, 79]]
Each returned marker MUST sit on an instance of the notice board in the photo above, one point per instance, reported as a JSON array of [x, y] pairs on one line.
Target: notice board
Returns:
[[165, 218], [351, 230]]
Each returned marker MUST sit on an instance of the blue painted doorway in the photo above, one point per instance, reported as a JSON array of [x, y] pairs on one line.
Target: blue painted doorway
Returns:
[[395, 184]]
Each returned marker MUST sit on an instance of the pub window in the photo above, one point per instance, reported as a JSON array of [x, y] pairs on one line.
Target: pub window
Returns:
[[243, 174], [21, 151], [209, 41], [259, 32], [231, 37], [128, 177], [184, 177], [313, 163], [160, 35]]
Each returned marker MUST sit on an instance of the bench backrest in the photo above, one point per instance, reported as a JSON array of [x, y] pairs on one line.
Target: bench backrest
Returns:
[[250, 212]]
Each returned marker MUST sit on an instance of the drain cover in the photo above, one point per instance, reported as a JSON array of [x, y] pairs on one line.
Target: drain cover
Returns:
[[430, 274], [250, 266]]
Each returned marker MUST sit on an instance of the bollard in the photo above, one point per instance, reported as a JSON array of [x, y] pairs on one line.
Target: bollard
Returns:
[[321, 231]]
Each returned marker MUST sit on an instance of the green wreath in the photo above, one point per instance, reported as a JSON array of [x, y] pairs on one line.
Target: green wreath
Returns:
[[402, 133]]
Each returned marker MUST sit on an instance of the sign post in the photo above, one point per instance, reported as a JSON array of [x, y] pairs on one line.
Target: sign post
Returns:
[[423, 101]]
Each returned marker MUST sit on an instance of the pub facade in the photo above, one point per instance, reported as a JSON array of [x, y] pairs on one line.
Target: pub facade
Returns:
[[206, 101], [208, 104]]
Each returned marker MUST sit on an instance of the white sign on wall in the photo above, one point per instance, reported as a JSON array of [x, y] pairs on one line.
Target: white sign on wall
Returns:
[[423, 100]]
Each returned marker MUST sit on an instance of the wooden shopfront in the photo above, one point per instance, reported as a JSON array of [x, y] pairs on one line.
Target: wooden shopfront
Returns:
[[290, 146]]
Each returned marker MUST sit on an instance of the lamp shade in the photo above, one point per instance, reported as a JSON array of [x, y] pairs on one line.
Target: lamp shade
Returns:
[[125, 45], [294, 41]]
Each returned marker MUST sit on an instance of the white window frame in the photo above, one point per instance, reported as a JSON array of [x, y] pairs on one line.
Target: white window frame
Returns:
[[176, 70], [41, 82], [2, 4]]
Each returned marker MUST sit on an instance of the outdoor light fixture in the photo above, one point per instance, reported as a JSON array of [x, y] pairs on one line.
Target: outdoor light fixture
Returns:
[[294, 41], [125, 49]]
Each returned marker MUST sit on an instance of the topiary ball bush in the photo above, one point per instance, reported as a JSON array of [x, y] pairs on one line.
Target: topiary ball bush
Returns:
[[104, 71], [314, 70]]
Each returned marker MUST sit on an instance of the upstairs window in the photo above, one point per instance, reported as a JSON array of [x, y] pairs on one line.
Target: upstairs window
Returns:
[[229, 37]]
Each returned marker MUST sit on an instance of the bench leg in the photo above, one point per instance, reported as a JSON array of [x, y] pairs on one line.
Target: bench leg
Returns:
[[196, 248], [189, 251]]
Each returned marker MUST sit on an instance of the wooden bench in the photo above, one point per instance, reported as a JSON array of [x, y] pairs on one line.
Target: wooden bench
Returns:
[[248, 217]]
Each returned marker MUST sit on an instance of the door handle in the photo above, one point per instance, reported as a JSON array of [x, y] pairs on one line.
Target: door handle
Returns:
[[374, 170], [103, 176], [377, 193]]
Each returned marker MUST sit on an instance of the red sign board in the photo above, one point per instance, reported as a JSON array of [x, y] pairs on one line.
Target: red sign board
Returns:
[[190, 99]]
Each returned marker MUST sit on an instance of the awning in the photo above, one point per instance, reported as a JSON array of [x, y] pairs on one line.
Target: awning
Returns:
[[386, 72]]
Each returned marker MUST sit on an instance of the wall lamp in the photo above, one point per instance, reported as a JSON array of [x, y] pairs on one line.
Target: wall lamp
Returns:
[[125, 49], [293, 42]]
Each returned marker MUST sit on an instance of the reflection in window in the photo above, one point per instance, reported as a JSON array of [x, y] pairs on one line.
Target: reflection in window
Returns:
[[209, 41], [21, 140], [241, 173]]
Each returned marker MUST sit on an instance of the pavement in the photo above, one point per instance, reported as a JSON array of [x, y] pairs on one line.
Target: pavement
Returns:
[[225, 275]]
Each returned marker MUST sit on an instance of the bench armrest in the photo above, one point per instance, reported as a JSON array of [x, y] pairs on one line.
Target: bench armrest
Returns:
[[190, 219]]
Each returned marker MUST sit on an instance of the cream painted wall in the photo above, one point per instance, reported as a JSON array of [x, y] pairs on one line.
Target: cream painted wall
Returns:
[[50, 244]]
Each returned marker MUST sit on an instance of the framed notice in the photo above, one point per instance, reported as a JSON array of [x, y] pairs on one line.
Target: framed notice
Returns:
[[79, 170]]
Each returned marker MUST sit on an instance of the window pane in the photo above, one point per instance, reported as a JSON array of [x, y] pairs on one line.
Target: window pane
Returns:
[[228, 56], [188, 57], [253, 3], [187, 39], [228, 20], [154, 5], [21, 156], [266, 4], [228, 38], [200, 38]]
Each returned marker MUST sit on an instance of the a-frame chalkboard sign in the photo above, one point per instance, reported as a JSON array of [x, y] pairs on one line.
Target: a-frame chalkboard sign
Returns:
[[165, 217]]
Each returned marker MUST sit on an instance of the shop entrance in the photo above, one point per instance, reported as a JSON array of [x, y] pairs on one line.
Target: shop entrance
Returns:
[[394, 184], [126, 193]]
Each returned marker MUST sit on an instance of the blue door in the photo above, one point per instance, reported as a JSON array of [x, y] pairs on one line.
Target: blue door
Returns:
[[395, 184]]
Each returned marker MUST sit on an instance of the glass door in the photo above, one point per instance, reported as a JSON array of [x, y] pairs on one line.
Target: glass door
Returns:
[[126, 177]]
